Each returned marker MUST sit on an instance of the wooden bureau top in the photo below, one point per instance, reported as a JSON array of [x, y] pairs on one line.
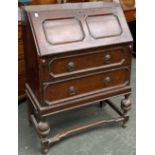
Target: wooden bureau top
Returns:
[[71, 27], [69, 6]]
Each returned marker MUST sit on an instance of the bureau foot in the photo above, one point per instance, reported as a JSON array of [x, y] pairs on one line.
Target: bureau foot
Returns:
[[124, 125], [43, 131], [44, 146], [125, 106], [102, 104]]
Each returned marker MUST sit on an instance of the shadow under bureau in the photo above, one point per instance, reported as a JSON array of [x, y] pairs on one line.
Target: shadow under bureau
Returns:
[[75, 55]]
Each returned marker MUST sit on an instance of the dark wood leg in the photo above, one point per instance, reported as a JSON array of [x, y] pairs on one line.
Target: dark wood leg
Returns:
[[43, 131], [125, 106], [102, 104]]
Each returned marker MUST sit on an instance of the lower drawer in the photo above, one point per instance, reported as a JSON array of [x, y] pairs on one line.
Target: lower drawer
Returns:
[[55, 92]]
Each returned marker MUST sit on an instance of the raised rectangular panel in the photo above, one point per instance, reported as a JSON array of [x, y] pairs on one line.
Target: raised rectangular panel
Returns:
[[101, 26], [61, 31]]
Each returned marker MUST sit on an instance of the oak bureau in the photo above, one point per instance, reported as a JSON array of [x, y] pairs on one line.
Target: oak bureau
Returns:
[[75, 55]]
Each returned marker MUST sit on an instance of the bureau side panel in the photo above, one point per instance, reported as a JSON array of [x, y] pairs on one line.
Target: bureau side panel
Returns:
[[31, 60]]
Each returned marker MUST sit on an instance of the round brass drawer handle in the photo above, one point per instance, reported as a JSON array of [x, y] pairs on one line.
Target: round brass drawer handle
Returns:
[[107, 80], [72, 90], [71, 66], [107, 58]]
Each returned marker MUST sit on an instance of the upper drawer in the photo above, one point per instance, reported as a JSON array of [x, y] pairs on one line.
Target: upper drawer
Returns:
[[88, 61]]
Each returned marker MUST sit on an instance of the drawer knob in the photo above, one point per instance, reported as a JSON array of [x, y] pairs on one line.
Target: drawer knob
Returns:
[[107, 80], [71, 66], [72, 90], [107, 58]]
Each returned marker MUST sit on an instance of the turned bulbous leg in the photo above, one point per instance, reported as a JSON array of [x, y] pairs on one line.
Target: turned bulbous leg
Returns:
[[125, 106], [44, 130]]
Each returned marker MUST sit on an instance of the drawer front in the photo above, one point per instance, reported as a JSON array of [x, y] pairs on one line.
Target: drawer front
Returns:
[[63, 90], [61, 66]]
